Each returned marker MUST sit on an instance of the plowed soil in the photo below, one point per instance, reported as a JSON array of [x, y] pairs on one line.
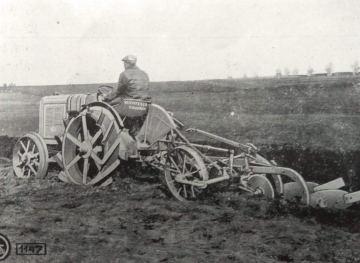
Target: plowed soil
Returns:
[[136, 220]]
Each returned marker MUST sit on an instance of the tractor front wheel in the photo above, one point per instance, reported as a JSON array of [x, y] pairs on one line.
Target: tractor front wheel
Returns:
[[30, 157]]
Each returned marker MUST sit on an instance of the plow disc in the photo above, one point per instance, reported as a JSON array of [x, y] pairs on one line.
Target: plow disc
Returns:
[[261, 185], [302, 194], [293, 190], [325, 195]]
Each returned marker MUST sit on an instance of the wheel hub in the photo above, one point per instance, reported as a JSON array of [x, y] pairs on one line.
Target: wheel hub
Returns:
[[27, 158], [259, 191], [86, 148], [260, 185]]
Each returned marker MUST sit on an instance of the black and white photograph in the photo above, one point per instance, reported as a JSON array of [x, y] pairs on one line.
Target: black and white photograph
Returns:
[[179, 131]]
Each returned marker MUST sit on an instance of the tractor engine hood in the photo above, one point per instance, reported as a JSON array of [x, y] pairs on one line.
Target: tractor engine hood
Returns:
[[57, 108]]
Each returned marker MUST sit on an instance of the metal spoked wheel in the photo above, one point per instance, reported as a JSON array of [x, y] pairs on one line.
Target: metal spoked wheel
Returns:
[[30, 157], [91, 146], [185, 164]]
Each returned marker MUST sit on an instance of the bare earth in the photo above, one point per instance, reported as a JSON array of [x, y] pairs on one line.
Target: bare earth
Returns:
[[136, 220]]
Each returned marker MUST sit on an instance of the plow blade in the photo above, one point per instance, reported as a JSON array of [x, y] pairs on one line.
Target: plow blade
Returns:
[[329, 199], [332, 185]]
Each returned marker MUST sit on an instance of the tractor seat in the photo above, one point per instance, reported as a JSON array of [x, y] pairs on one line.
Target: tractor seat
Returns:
[[132, 107]]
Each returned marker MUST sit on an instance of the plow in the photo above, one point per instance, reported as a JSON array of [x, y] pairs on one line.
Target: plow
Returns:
[[88, 139]]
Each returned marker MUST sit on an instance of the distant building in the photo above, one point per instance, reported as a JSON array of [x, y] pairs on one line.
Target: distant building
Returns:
[[320, 75]]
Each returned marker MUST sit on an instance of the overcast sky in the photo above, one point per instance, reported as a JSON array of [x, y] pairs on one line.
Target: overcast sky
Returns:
[[83, 41]]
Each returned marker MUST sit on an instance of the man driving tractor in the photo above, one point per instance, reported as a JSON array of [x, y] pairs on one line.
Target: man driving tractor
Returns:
[[133, 83]]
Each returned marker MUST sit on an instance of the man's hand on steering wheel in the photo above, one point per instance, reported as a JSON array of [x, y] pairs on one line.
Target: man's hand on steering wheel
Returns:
[[104, 90]]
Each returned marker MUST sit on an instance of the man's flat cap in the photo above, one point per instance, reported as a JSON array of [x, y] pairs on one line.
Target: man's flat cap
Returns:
[[130, 58]]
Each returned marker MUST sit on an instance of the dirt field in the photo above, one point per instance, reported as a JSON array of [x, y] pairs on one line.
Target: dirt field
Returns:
[[137, 220]]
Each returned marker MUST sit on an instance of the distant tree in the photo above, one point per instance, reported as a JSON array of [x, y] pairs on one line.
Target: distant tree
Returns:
[[8, 88], [310, 71], [296, 71], [329, 69], [256, 75], [10, 85], [355, 67], [278, 73], [286, 72], [244, 77]]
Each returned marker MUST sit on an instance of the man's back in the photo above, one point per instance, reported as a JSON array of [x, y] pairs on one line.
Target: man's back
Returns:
[[133, 83], [136, 82]]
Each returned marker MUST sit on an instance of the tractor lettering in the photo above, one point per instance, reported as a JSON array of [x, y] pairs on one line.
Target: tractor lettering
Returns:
[[136, 108], [137, 103]]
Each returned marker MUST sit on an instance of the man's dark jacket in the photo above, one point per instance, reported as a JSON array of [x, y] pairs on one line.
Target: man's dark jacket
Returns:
[[133, 83]]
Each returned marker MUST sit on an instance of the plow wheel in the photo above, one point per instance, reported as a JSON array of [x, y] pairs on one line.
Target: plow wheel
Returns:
[[261, 185], [30, 157], [91, 146], [185, 164]]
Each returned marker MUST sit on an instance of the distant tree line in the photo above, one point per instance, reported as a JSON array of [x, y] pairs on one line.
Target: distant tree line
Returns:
[[7, 88], [329, 69]]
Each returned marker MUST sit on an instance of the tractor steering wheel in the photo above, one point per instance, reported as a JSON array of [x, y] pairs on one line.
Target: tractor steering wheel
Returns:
[[103, 90]]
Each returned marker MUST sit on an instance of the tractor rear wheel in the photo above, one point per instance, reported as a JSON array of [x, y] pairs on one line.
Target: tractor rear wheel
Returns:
[[30, 156], [90, 146], [184, 162]]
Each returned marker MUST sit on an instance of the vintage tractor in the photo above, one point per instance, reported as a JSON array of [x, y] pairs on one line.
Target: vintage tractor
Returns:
[[89, 138]]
